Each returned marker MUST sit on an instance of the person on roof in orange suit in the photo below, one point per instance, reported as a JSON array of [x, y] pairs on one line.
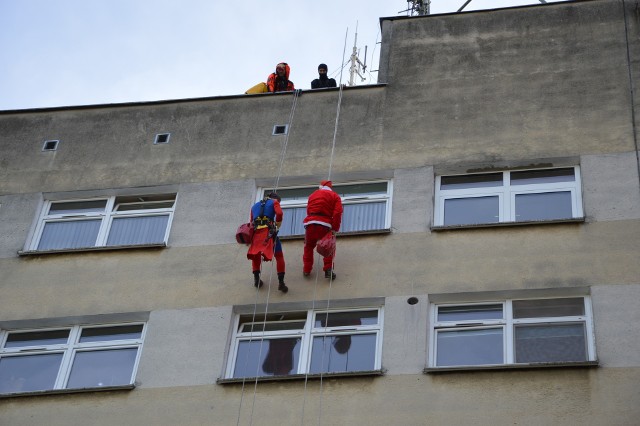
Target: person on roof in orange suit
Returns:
[[324, 215], [278, 81]]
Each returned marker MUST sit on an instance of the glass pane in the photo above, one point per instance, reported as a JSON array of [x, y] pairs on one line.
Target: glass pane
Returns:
[[37, 338], [272, 326], [269, 357], [111, 367], [69, 234], [541, 308], [542, 176], [361, 189], [470, 347], [550, 343], [544, 206], [331, 354], [144, 206], [293, 194], [137, 230], [466, 313], [292, 221], [471, 181], [467, 211], [364, 217], [341, 319], [70, 207], [103, 334], [29, 373]]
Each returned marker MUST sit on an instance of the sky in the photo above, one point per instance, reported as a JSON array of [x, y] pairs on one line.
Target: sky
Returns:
[[56, 53]]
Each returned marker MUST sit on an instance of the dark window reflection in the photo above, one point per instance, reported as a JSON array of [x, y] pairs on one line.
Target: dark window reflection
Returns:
[[269, 357], [550, 343], [545, 308], [29, 373], [471, 181], [111, 367], [465, 313], [542, 176], [468, 211], [37, 338], [101, 334], [341, 319], [332, 354], [544, 206]]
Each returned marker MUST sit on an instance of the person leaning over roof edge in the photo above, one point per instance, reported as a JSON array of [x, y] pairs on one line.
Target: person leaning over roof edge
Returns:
[[278, 81], [323, 80]]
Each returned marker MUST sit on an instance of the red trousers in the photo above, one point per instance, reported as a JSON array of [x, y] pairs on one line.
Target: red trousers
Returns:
[[312, 234], [280, 265]]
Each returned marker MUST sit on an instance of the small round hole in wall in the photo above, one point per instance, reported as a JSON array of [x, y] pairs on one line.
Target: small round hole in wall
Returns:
[[412, 300]]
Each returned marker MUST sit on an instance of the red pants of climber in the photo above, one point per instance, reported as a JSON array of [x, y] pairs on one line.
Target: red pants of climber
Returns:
[[314, 233], [280, 265]]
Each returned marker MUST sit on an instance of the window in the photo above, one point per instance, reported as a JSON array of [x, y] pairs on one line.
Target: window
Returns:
[[78, 357], [515, 332], [104, 222], [306, 342], [367, 207], [512, 196]]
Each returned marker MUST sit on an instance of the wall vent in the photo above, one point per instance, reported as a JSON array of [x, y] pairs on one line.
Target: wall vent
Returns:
[[280, 129], [50, 145], [162, 138]]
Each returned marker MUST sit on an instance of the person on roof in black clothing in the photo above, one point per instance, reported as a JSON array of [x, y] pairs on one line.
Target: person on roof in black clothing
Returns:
[[323, 80]]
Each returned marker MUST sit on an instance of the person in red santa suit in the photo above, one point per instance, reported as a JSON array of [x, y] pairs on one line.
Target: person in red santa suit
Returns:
[[324, 215]]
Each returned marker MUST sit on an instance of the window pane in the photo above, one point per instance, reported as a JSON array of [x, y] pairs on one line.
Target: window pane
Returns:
[[111, 367], [144, 206], [332, 354], [37, 338], [137, 230], [541, 308], [293, 194], [364, 217], [269, 357], [470, 347], [102, 334], [466, 313], [544, 206], [361, 189], [466, 211], [471, 181], [542, 176], [70, 207], [272, 326], [29, 373], [550, 343], [341, 319], [69, 234], [292, 221]]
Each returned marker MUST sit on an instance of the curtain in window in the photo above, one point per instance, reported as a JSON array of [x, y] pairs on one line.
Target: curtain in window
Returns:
[[69, 234], [137, 230]]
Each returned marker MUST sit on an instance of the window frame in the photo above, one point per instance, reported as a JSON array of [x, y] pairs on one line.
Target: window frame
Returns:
[[506, 194], [106, 217], [69, 350], [508, 325], [306, 334], [347, 200]]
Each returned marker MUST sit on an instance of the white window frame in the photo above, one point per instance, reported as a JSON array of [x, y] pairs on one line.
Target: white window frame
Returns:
[[106, 217], [307, 334], [506, 194], [507, 324], [348, 200], [71, 348]]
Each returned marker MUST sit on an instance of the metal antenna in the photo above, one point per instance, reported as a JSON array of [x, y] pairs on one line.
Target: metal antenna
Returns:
[[356, 64]]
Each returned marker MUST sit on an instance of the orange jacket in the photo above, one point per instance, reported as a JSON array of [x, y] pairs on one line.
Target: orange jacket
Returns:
[[275, 84]]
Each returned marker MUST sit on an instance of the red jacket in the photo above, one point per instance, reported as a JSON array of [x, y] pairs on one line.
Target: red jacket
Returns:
[[324, 208], [273, 85]]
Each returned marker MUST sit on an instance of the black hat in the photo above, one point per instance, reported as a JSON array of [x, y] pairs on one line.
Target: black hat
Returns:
[[323, 66], [274, 195]]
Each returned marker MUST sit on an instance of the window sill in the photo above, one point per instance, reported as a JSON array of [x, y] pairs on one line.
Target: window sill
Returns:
[[442, 228], [90, 249], [66, 391], [466, 368], [301, 377], [341, 234]]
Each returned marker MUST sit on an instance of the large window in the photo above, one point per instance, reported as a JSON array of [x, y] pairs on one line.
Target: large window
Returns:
[[69, 358], [529, 331], [307, 342], [367, 207], [104, 222], [511, 196]]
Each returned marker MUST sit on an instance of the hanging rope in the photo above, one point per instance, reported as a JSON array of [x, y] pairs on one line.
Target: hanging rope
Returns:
[[283, 151]]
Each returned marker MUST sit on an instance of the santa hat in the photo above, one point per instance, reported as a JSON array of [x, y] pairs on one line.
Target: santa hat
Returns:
[[326, 183]]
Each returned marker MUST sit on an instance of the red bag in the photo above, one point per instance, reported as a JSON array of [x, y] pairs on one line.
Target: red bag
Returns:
[[244, 234], [327, 245]]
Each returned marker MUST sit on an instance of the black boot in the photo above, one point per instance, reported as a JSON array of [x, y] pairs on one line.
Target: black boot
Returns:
[[330, 274], [281, 285], [257, 282]]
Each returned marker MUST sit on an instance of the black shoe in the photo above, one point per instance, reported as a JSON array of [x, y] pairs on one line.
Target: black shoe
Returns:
[[257, 282], [330, 274], [281, 285]]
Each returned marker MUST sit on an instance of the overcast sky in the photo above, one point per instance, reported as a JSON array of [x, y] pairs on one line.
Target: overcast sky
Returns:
[[84, 52]]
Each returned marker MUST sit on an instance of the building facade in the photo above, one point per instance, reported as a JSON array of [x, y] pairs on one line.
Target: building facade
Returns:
[[487, 266]]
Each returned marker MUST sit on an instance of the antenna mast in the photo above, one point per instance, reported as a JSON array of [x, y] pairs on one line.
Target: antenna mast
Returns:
[[419, 7], [356, 65]]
